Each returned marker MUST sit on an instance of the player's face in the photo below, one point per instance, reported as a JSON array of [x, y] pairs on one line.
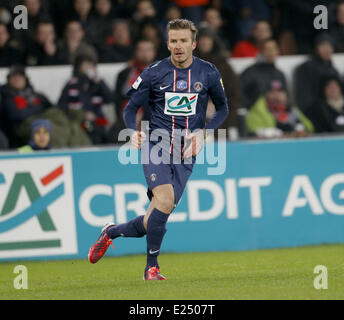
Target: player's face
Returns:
[[181, 45]]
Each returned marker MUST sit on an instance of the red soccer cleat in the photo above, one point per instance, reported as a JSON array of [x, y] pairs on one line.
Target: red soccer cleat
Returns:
[[98, 250], [153, 273]]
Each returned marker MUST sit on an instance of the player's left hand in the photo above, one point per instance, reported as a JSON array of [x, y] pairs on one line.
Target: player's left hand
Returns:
[[194, 142]]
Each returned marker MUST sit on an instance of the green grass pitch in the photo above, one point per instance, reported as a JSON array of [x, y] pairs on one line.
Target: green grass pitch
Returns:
[[261, 274]]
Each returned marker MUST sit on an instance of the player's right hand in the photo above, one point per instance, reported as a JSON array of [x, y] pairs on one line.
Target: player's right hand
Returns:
[[137, 138]]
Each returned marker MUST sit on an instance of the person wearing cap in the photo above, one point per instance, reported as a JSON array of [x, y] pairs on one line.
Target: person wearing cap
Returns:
[[308, 75], [41, 132], [272, 115], [19, 101]]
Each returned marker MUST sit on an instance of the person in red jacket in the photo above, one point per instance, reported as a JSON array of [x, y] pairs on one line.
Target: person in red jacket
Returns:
[[250, 47], [193, 9], [19, 101]]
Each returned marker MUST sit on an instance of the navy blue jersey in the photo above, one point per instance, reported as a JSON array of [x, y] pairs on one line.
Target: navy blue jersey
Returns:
[[178, 98]]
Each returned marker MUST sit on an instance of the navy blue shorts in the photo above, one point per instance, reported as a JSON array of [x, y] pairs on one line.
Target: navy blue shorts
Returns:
[[167, 173]]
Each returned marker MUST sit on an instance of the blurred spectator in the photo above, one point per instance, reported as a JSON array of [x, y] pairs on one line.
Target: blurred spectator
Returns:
[[192, 9], [40, 139], [273, 116], [337, 30], [43, 51], [172, 12], [297, 29], [328, 115], [10, 49], [118, 46], [84, 96], [60, 10], [261, 31], [103, 17], [37, 11], [209, 48], [82, 12], [308, 74], [74, 44], [19, 101], [212, 18], [145, 54], [144, 10], [250, 11], [151, 31], [5, 15], [256, 79], [229, 11]]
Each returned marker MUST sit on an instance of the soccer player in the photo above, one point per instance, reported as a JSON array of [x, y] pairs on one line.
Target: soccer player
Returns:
[[178, 88]]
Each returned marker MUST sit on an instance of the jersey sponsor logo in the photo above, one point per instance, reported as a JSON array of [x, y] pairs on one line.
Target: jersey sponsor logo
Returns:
[[164, 87], [198, 86], [177, 104], [137, 82], [182, 85]]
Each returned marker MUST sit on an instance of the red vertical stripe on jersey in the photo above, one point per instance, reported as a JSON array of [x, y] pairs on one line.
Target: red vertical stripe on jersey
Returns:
[[187, 118], [173, 118], [175, 81], [189, 80], [173, 129]]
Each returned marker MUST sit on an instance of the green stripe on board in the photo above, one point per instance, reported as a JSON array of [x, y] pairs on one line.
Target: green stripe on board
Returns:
[[39, 244]]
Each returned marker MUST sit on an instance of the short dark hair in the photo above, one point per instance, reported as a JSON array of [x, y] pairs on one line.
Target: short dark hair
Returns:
[[179, 24], [80, 59]]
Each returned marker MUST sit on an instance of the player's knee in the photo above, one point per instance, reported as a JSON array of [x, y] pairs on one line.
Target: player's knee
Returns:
[[165, 203]]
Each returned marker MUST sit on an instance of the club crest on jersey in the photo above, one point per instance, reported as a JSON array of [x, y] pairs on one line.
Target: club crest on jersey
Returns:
[[177, 104], [182, 85], [198, 86]]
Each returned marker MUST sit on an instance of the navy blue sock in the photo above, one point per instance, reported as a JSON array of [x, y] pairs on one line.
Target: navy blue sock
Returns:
[[131, 229], [155, 233]]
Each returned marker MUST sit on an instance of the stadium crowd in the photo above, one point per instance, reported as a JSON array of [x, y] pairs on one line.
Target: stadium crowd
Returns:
[[83, 33]]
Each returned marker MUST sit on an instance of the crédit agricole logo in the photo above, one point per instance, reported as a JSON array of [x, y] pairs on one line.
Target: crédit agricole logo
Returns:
[[37, 214]]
